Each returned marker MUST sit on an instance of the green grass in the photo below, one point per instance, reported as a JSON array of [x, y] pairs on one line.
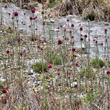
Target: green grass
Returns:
[[88, 72], [97, 63], [1, 87], [54, 3], [90, 97], [37, 67], [56, 60], [9, 30]]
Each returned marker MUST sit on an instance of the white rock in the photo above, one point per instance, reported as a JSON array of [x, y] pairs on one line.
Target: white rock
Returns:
[[2, 80], [52, 21], [73, 84]]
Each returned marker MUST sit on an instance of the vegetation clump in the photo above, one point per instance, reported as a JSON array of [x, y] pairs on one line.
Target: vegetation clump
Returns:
[[88, 72], [97, 63], [1, 87], [53, 3], [9, 31], [38, 67], [56, 60], [88, 9], [90, 97]]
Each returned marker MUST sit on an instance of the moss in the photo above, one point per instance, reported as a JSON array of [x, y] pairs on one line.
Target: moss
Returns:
[[97, 63], [37, 67]]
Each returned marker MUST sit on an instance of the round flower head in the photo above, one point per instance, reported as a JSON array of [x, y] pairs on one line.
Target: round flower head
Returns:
[[20, 54], [81, 39], [7, 51], [9, 41], [9, 14], [4, 91], [58, 28], [101, 43], [5, 6], [106, 59], [59, 84], [73, 49], [69, 73], [108, 72], [58, 73], [72, 37], [41, 49], [58, 69], [9, 27], [33, 10], [43, 23], [105, 31], [38, 46], [91, 89], [75, 55], [67, 20], [65, 30], [72, 43], [50, 62], [93, 78], [42, 12], [70, 32], [19, 39], [96, 41], [59, 42], [85, 36], [81, 28], [31, 18], [49, 66], [35, 17], [77, 64], [72, 25], [68, 77], [15, 13]]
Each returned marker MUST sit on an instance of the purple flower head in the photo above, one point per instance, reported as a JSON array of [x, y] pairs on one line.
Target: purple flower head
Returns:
[[4, 91], [15, 13], [33, 10], [49, 66]]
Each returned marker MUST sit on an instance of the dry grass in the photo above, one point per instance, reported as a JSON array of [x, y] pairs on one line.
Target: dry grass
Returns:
[[20, 97], [97, 9]]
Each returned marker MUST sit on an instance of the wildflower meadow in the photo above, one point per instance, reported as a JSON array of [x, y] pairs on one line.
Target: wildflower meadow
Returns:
[[48, 64]]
